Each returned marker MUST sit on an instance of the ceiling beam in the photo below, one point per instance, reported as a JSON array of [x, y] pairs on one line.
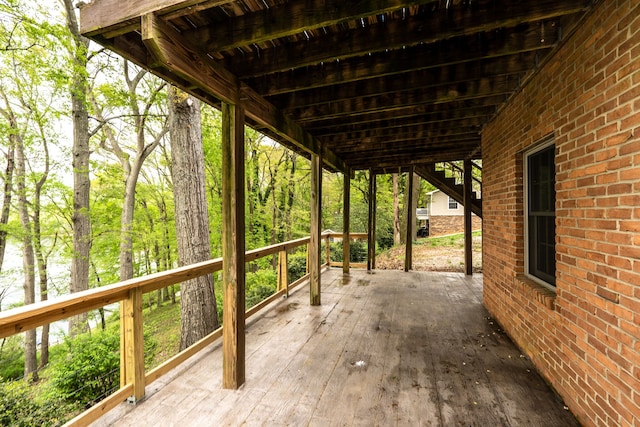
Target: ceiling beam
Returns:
[[114, 17], [516, 66], [396, 34], [401, 121], [171, 51], [442, 54], [400, 100], [406, 145], [404, 160], [301, 16]]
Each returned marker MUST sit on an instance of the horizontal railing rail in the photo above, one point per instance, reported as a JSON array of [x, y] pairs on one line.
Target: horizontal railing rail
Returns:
[[129, 293]]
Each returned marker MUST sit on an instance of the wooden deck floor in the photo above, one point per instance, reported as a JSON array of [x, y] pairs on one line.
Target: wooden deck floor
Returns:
[[389, 348]]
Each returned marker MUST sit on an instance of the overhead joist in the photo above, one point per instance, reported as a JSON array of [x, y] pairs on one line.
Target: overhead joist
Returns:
[[405, 144], [403, 124], [171, 51], [458, 127], [397, 34], [417, 158], [416, 63], [400, 100], [513, 67], [425, 113], [115, 17], [301, 15]]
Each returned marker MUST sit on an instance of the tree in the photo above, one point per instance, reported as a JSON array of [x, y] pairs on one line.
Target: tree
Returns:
[[139, 98], [78, 51], [198, 303]]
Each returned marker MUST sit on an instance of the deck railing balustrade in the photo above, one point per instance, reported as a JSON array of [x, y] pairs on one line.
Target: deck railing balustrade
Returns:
[[133, 377]]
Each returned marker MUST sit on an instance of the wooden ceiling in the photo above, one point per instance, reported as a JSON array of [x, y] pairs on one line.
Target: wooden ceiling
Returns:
[[382, 84]]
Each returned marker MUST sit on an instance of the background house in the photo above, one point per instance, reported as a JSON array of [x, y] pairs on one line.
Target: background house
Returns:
[[446, 216]]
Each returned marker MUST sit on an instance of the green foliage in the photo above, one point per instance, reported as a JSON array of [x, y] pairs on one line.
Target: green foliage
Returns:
[[22, 406], [297, 265], [357, 251], [91, 369], [260, 285], [12, 357]]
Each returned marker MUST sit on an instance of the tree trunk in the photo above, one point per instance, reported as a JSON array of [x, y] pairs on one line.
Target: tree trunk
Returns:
[[198, 306], [396, 210], [81, 180], [41, 257], [6, 203], [28, 262]]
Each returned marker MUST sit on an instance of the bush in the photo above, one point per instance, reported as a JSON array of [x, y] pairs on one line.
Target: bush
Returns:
[[91, 369], [20, 406], [357, 251], [297, 266], [260, 285], [12, 357]]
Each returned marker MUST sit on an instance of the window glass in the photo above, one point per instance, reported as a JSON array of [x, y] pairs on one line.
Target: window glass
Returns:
[[541, 216]]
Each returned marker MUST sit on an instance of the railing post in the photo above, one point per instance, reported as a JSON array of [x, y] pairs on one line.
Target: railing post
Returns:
[[283, 274], [327, 249], [132, 344]]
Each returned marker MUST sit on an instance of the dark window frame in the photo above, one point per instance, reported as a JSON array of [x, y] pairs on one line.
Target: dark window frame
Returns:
[[452, 206], [540, 213]]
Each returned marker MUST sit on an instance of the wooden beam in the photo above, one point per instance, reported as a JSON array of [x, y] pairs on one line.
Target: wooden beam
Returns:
[[404, 129], [408, 253], [459, 74], [468, 242], [400, 100], [116, 16], [346, 221], [233, 246], [443, 54], [414, 113], [407, 159], [316, 224], [301, 15], [398, 33], [169, 49], [371, 224]]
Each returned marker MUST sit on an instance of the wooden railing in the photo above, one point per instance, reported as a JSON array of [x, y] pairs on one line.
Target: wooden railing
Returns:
[[353, 236], [129, 293]]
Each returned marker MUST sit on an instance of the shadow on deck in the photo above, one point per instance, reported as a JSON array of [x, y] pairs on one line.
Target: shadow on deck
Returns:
[[389, 348]]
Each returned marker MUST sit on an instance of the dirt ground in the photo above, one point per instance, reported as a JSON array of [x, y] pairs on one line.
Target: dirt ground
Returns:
[[429, 256]]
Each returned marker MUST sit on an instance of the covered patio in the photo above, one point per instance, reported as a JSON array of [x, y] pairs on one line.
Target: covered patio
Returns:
[[388, 348]]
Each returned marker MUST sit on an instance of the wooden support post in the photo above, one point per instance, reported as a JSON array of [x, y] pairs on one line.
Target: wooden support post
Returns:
[[132, 344], [283, 272], [468, 244], [233, 247], [316, 224], [371, 232], [346, 208], [408, 257]]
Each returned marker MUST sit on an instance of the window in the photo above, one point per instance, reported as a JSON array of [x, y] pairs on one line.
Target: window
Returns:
[[540, 220], [453, 204]]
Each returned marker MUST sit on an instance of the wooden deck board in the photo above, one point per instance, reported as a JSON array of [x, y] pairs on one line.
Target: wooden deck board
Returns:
[[388, 348]]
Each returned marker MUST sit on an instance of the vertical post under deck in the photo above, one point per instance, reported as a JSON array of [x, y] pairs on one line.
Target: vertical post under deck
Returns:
[[233, 246], [346, 219], [371, 232], [468, 248], [316, 220], [408, 256]]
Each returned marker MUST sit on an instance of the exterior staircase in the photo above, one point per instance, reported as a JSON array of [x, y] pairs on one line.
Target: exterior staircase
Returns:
[[448, 178]]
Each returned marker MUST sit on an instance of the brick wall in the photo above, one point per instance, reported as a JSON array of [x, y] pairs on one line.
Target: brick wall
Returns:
[[451, 224], [586, 338]]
